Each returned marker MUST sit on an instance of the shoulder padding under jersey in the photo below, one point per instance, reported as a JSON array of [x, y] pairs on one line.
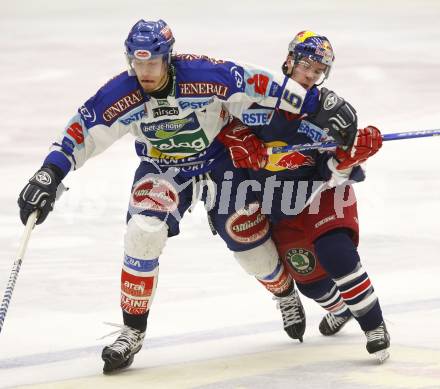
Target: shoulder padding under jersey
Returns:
[[119, 95]]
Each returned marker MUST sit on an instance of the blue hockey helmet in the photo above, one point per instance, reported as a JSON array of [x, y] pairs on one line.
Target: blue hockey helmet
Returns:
[[148, 39], [307, 44]]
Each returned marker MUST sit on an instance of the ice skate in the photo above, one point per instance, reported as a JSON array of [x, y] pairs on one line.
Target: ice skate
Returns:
[[378, 342], [120, 354], [293, 314], [332, 324]]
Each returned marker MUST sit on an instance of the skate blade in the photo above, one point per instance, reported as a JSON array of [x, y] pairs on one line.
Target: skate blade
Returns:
[[110, 369], [381, 356]]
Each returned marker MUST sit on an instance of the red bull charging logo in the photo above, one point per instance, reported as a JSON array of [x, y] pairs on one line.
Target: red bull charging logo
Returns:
[[290, 161], [295, 160]]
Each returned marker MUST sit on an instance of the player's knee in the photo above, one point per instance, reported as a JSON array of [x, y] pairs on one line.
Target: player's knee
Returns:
[[337, 252], [259, 261], [337, 240], [145, 237]]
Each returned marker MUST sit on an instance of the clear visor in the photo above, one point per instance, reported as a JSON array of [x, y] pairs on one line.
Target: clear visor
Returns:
[[315, 70], [152, 66]]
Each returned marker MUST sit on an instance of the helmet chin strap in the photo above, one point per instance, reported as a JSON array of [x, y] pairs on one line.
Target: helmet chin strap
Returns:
[[164, 82]]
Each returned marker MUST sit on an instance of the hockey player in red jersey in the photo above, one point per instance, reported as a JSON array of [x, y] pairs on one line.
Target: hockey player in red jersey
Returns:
[[318, 240]]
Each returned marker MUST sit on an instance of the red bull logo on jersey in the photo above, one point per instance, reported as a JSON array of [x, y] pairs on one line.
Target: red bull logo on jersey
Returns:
[[295, 160], [287, 161]]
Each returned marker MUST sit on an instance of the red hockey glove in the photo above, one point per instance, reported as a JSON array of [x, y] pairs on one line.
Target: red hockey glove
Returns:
[[368, 141], [246, 149]]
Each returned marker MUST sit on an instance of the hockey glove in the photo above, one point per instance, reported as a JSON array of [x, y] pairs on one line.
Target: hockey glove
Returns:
[[39, 194], [336, 117], [246, 149], [367, 142]]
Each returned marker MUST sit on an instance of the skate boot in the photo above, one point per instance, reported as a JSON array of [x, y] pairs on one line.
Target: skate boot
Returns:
[[293, 314], [332, 324], [120, 354], [378, 341]]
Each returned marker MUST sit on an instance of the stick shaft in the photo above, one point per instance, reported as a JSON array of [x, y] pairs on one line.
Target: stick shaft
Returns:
[[329, 145], [16, 267]]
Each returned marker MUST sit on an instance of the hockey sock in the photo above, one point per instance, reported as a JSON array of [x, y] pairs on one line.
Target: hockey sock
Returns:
[[139, 322], [339, 257], [138, 285], [326, 294], [279, 282]]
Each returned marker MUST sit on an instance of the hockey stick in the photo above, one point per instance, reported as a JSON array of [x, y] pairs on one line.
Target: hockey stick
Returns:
[[16, 267], [328, 145]]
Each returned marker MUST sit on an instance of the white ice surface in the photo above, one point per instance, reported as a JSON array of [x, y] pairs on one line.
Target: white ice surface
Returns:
[[211, 325]]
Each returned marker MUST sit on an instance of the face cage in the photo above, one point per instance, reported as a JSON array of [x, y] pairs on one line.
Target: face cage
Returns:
[[129, 58]]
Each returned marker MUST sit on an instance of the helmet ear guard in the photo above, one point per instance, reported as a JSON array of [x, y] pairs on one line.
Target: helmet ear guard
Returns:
[[285, 69]]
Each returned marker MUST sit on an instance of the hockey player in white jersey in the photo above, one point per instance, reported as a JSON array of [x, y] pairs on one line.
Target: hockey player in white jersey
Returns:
[[174, 106]]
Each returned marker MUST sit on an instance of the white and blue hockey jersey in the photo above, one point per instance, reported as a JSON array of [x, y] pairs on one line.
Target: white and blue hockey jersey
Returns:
[[178, 130]]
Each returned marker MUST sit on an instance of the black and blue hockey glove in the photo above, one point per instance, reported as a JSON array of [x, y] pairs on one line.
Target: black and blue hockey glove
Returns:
[[39, 194], [336, 117]]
